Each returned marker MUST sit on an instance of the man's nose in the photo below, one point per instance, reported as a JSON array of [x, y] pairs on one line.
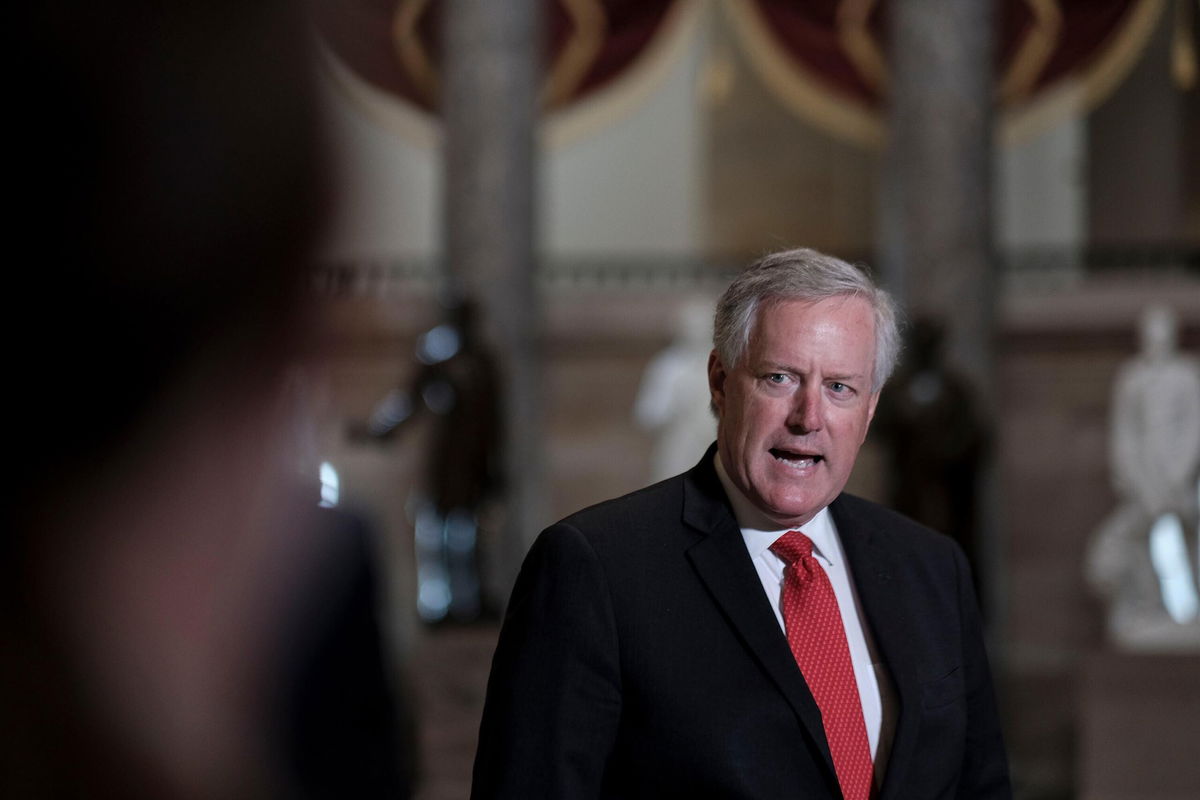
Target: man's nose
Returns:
[[806, 411]]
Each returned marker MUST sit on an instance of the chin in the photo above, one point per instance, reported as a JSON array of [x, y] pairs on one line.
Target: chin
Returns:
[[791, 515], [792, 506]]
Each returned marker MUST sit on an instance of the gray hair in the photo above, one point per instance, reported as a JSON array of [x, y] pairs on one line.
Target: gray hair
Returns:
[[802, 274]]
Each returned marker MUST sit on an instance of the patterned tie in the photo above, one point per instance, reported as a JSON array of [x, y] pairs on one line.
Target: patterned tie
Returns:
[[818, 641]]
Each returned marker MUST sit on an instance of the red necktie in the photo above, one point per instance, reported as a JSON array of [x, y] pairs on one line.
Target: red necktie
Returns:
[[818, 641]]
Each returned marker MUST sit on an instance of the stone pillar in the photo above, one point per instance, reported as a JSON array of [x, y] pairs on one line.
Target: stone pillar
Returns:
[[934, 220], [1139, 140], [491, 65], [935, 234]]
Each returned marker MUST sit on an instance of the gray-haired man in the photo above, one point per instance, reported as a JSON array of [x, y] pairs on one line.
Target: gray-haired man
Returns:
[[746, 630]]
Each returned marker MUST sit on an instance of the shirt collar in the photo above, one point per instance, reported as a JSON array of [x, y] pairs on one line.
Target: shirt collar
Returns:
[[760, 532]]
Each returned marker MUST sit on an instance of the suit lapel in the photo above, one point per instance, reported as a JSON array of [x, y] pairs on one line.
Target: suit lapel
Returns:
[[723, 565], [875, 571]]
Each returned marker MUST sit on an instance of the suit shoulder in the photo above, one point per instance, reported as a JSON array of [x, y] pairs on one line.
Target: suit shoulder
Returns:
[[858, 513], [654, 506], [630, 521]]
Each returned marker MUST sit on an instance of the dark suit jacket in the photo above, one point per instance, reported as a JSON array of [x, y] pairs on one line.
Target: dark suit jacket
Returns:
[[640, 658]]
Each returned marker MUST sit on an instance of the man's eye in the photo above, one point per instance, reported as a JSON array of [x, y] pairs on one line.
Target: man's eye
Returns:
[[839, 388], [777, 377]]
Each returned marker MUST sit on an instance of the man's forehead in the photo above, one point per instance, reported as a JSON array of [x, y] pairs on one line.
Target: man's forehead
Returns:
[[855, 351], [852, 308]]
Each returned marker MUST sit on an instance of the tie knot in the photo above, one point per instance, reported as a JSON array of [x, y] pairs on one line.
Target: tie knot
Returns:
[[792, 547]]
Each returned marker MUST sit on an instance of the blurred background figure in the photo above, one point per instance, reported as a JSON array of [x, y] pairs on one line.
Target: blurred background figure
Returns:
[[1143, 557], [672, 399], [456, 381], [179, 618], [935, 438]]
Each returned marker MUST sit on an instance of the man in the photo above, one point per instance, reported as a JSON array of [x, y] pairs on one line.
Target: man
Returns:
[[682, 641]]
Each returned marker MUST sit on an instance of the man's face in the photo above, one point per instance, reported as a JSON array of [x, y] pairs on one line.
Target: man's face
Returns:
[[794, 411]]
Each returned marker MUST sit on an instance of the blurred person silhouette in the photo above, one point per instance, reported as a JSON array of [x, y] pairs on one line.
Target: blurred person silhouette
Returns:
[[176, 612], [456, 382], [936, 440]]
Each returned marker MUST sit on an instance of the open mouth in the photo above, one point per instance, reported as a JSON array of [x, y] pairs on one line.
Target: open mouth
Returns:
[[796, 459]]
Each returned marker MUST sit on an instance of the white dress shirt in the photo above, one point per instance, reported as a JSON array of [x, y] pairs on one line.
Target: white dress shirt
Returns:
[[874, 689]]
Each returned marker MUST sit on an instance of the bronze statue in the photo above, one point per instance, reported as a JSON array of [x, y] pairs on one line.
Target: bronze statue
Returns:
[[456, 384], [936, 440]]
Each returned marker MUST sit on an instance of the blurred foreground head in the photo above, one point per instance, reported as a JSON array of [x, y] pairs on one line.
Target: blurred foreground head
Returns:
[[169, 189], [169, 186]]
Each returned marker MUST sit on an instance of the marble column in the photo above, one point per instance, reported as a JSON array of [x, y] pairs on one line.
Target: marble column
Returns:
[[934, 238], [491, 64], [1140, 141], [935, 232]]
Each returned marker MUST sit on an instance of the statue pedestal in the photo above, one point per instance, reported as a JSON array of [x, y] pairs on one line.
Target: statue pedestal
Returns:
[[1140, 727]]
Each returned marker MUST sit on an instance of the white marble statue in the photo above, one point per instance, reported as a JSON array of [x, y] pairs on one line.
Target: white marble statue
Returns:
[[1143, 557], [672, 400]]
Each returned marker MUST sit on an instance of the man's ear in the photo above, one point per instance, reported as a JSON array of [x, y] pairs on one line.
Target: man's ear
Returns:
[[716, 383]]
